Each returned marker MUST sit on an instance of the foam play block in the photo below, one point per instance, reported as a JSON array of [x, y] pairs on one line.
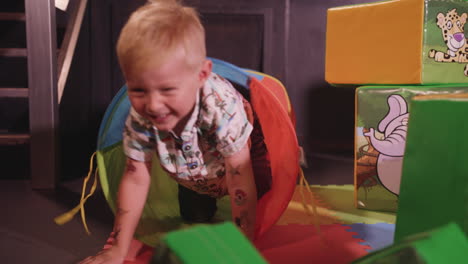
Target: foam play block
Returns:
[[434, 186], [220, 243], [382, 118], [377, 236], [397, 42], [445, 244]]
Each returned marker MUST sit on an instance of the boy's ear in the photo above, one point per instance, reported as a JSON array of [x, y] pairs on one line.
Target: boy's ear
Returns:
[[205, 70]]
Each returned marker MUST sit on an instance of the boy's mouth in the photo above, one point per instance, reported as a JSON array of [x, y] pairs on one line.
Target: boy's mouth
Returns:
[[160, 118]]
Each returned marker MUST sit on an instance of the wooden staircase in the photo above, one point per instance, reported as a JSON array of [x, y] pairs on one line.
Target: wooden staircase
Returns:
[[32, 78]]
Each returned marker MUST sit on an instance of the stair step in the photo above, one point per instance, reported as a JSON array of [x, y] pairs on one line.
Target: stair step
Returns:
[[16, 52], [13, 52], [14, 92], [14, 139], [12, 16]]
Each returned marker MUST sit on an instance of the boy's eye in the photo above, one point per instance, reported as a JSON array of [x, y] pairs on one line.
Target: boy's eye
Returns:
[[168, 89], [136, 91]]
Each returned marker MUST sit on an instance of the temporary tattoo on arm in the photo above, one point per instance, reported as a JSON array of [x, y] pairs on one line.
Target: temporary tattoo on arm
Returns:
[[116, 231], [234, 171], [238, 221], [130, 166], [242, 220], [120, 211], [148, 165], [240, 197], [114, 236]]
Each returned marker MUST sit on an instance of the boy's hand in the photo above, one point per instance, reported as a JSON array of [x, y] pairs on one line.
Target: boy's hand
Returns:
[[106, 256]]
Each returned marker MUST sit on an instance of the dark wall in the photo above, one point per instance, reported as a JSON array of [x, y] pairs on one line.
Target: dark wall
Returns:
[[78, 115], [291, 48], [325, 114]]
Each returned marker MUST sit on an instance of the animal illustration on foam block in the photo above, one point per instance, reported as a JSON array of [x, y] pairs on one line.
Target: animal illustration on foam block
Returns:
[[392, 146], [452, 27]]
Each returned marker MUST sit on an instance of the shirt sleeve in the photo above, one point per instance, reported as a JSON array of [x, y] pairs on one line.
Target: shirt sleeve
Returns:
[[138, 137], [224, 112]]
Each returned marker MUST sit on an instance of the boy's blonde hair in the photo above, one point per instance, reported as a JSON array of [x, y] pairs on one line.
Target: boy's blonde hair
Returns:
[[155, 31]]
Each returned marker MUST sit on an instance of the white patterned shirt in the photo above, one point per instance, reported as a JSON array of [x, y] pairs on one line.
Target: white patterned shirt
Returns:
[[218, 128]]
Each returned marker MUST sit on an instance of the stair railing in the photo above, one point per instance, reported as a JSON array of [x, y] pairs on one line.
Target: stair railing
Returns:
[[45, 87], [76, 10]]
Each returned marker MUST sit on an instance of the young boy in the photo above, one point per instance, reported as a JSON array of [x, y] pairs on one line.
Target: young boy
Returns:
[[203, 131]]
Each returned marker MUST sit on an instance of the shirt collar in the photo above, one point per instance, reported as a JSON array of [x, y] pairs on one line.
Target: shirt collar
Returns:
[[188, 131]]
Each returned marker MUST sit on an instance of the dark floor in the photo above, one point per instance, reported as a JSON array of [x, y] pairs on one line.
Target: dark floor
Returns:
[[29, 235]]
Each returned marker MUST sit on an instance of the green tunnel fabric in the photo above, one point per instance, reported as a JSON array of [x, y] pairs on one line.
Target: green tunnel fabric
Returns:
[[160, 216]]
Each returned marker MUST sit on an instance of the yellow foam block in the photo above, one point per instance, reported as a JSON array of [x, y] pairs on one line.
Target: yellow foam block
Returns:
[[397, 42]]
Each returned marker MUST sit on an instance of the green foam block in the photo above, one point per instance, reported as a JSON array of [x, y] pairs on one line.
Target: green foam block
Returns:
[[220, 243], [434, 186]]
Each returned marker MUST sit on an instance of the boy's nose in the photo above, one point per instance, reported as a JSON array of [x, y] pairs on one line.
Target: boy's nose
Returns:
[[153, 104]]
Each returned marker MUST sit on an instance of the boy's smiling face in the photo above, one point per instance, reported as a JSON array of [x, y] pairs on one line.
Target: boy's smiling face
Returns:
[[166, 94]]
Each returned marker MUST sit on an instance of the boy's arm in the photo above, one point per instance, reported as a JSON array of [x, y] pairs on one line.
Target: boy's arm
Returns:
[[133, 190], [131, 198], [242, 190]]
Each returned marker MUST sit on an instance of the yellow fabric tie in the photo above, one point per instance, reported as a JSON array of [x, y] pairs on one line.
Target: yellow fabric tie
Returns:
[[303, 183], [66, 217]]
